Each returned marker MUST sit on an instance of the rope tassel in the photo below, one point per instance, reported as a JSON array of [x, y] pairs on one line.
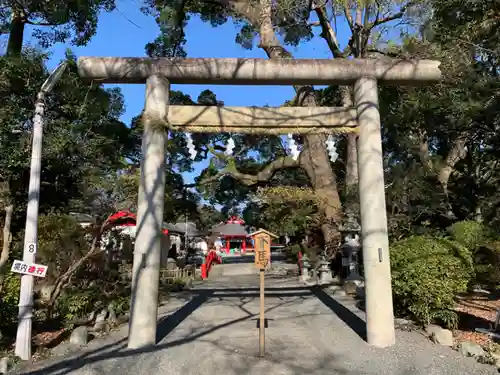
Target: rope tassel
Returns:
[[292, 146], [190, 145]]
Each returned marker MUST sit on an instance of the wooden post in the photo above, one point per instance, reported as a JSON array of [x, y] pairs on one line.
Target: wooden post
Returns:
[[262, 255], [262, 336]]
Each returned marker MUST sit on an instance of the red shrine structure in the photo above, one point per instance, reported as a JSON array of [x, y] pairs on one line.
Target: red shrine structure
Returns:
[[233, 233]]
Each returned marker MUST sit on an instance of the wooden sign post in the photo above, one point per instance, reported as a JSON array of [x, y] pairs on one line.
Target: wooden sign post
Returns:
[[262, 240]]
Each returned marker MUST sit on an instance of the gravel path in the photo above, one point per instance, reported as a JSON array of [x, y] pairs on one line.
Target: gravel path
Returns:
[[215, 333]]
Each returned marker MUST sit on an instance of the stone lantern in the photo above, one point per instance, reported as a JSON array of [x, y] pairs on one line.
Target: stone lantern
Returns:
[[324, 271], [350, 248]]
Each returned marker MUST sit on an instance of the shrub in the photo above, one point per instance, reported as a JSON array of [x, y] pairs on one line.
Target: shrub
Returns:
[[471, 234], [427, 274], [9, 300], [487, 264], [484, 244]]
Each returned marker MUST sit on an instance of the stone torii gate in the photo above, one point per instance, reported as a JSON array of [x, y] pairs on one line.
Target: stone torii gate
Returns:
[[159, 73]]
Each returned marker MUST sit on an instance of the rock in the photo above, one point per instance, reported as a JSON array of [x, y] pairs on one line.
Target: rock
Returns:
[[63, 349], [443, 337], [360, 291], [80, 336], [471, 349], [405, 324], [101, 317], [6, 364], [101, 327], [350, 286], [112, 315], [431, 328], [439, 335]]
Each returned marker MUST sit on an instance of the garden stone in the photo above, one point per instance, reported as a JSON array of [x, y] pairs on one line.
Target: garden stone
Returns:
[[442, 337], [6, 364], [63, 348], [101, 317], [431, 328], [112, 315], [471, 349], [350, 286], [405, 324], [101, 327], [79, 336], [439, 335]]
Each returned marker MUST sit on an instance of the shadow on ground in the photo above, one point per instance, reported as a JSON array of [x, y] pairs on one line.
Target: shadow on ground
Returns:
[[167, 324]]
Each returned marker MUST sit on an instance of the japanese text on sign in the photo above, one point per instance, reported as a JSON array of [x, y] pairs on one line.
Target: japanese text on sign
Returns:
[[29, 269]]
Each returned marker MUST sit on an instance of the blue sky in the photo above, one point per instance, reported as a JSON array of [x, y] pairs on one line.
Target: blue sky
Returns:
[[126, 31]]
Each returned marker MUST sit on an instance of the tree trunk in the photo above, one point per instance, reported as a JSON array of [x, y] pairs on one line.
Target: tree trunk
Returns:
[[7, 238], [16, 35], [351, 178], [314, 159], [63, 280]]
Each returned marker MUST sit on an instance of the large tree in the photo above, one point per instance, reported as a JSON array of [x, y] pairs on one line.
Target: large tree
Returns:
[[83, 137], [439, 141], [54, 21], [289, 22]]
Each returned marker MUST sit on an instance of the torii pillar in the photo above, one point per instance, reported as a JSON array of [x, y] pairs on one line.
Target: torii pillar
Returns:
[[148, 241]]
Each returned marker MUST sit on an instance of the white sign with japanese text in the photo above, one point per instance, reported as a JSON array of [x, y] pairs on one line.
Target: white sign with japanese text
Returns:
[[29, 269]]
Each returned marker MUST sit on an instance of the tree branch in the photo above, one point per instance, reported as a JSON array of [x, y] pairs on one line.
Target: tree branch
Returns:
[[391, 17], [262, 176], [327, 32], [348, 15]]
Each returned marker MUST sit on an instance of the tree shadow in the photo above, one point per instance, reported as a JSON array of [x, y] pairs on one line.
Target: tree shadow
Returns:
[[168, 323], [469, 322], [354, 322]]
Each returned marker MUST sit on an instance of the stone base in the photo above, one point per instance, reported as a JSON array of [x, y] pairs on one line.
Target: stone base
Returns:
[[350, 286], [304, 278], [325, 278]]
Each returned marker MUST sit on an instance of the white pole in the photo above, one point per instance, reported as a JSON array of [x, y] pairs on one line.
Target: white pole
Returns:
[[23, 339]]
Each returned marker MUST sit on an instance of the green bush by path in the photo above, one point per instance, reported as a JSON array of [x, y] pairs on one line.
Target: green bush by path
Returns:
[[471, 234], [427, 274], [9, 300], [484, 243]]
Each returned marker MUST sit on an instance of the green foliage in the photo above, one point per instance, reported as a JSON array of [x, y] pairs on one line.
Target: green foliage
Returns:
[[427, 274], [471, 234], [61, 242], [9, 299], [55, 21], [121, 304], [76, 304]]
